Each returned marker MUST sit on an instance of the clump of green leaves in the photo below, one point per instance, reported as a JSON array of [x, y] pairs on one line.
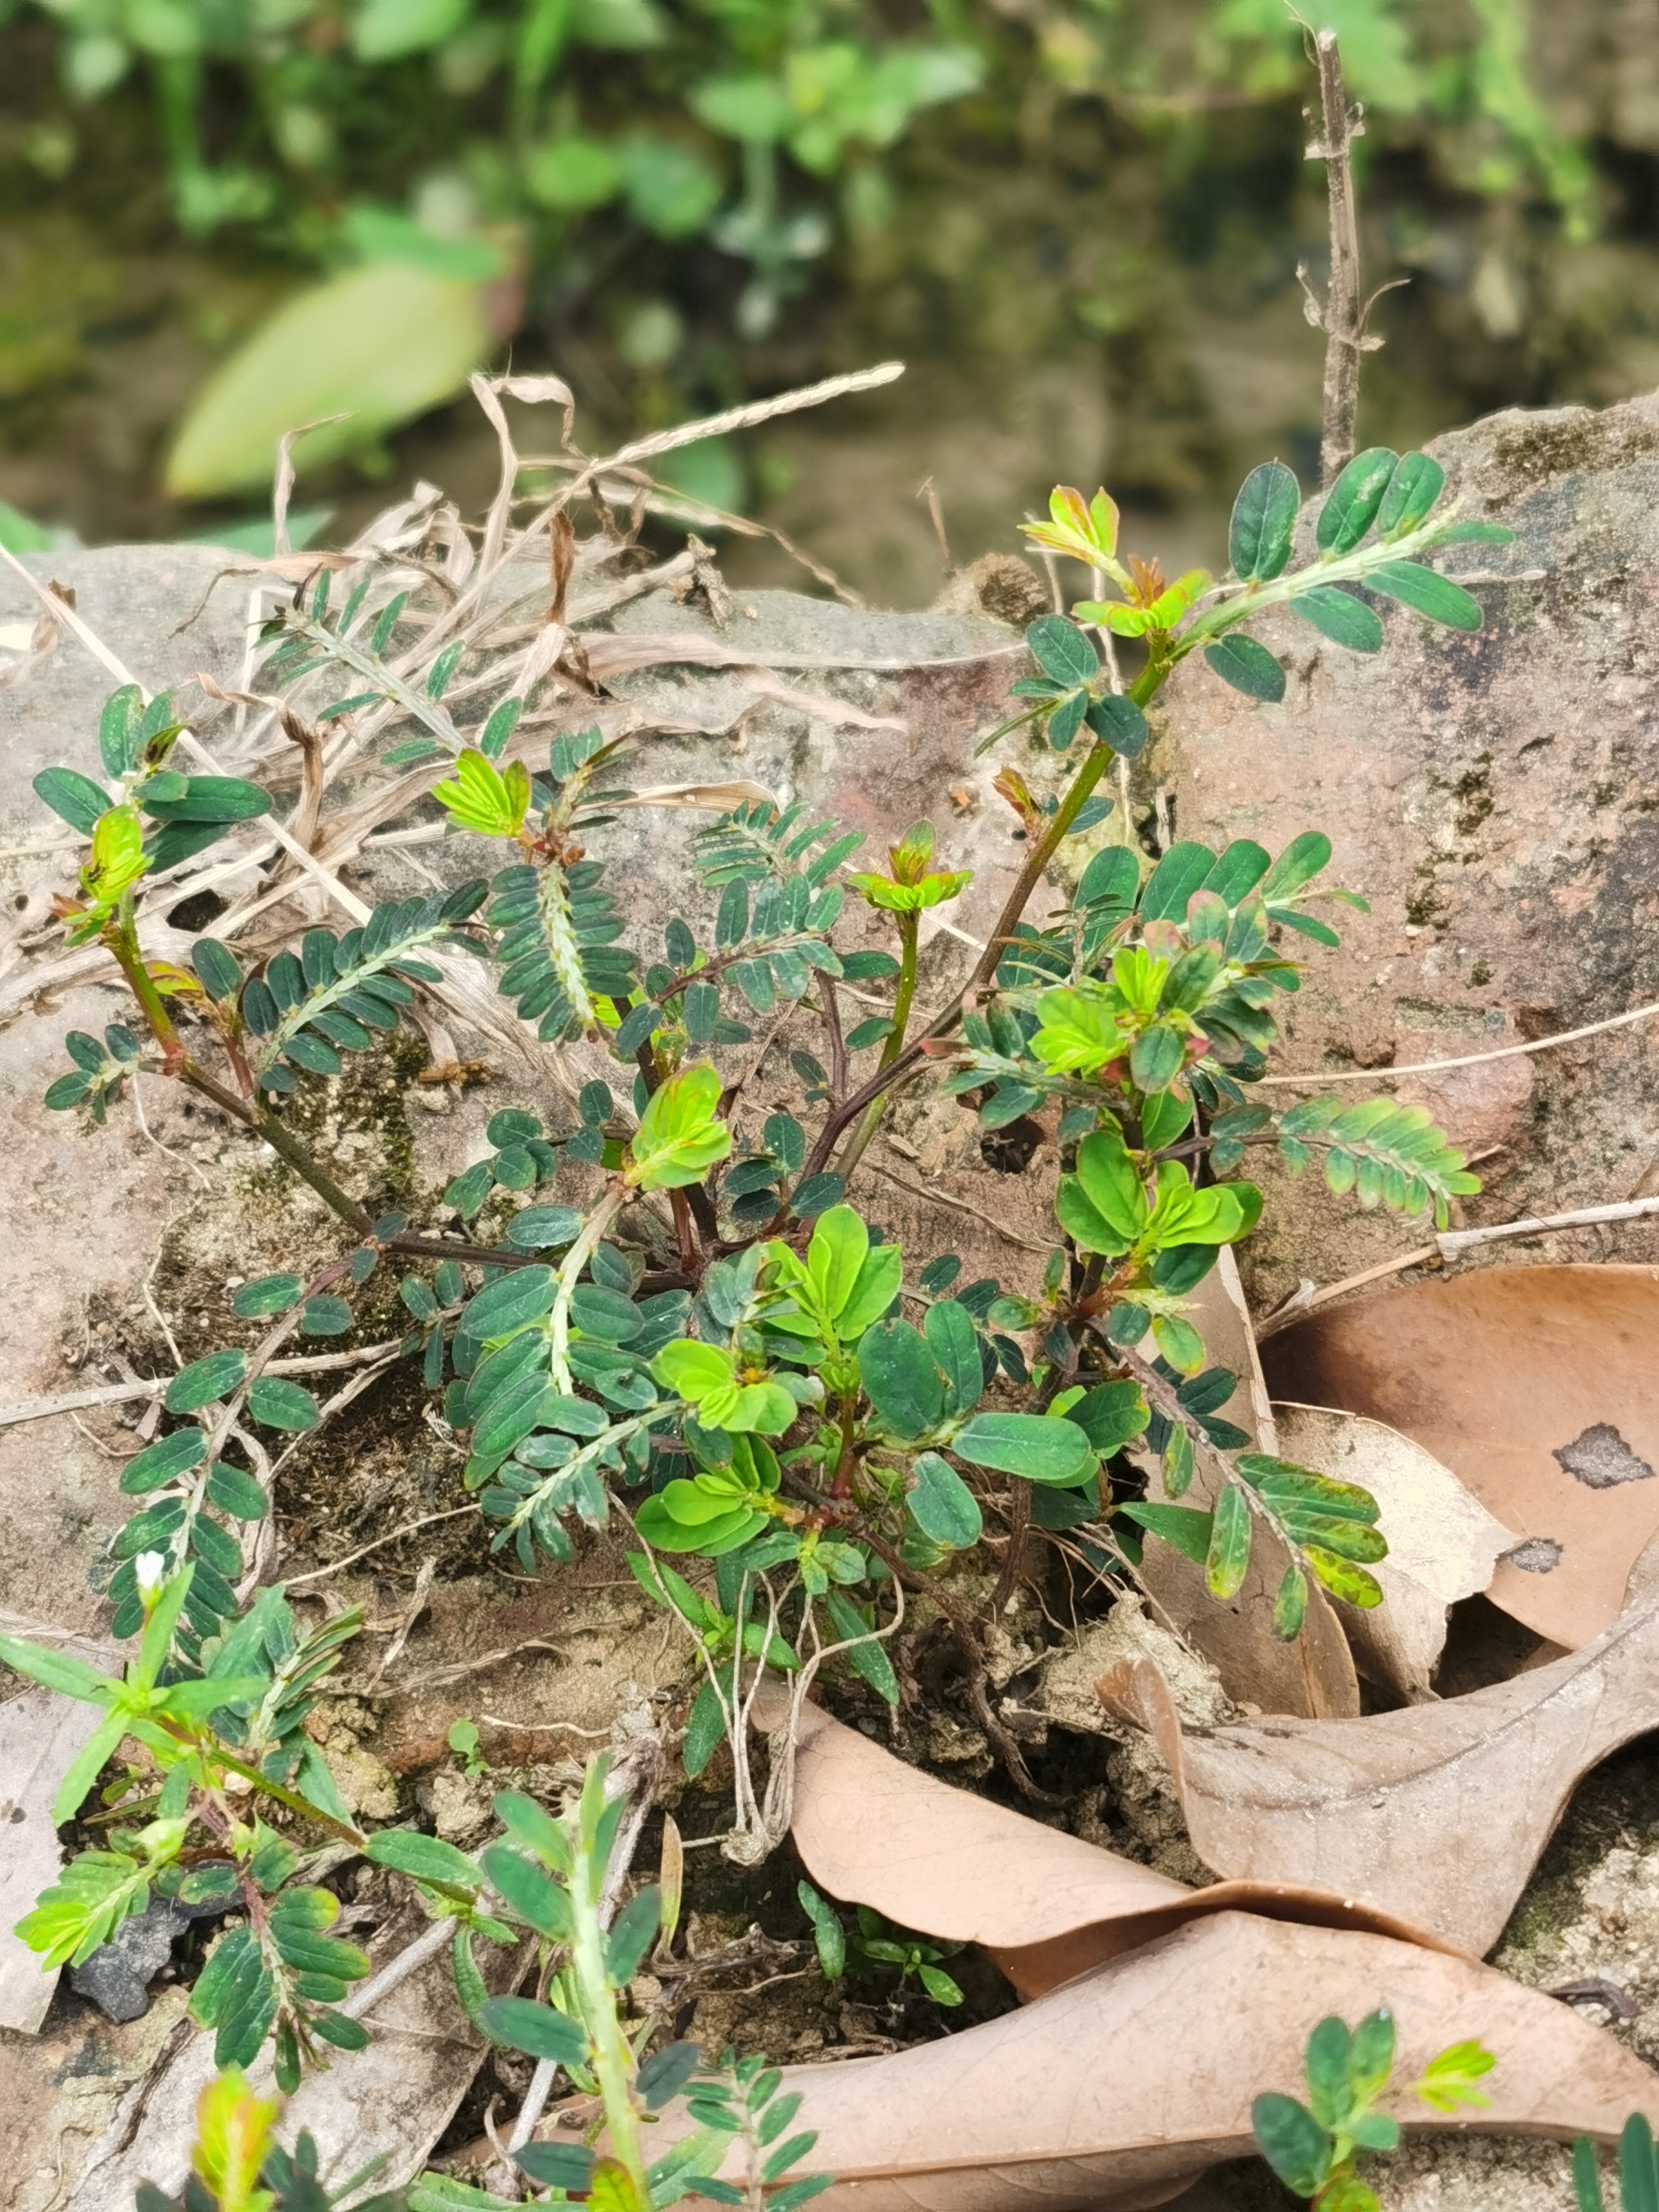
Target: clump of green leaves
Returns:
[[1638, 2169], [1312, 2146], [665, 1304]]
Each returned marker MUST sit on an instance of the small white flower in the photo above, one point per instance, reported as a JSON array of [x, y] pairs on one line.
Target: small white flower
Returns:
[[151, 1569]]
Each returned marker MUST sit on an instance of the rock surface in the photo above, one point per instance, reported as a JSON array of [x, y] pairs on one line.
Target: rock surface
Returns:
[[1496, 797]]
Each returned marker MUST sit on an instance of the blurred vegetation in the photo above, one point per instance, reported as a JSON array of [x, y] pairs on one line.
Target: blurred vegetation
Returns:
[[678, 204]]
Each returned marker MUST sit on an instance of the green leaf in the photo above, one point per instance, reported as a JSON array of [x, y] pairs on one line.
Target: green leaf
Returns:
[[1428, 592], [279, 1404], [1290, 1606], [705, 1731], [828, 1936], [1104, 1206], [383, 343], [209, 798], [1109, 1415], [866, 1657], [679, 1136], [119, 743], [1229, 1544], [632, 1935], [422, 1859], [1449, 2080], [205, 1380], [954, 1343], [693, 1370], [1341, 616], [836, 1257], [1586, 2175], [899, 1378], [1183, 1526], [1179, 1341], [1330, 2097], [1293, 2141], [1155, 1057], [510, 1302], [485, 798], [1301, 860], [218, 968], [1183, 869], [1031, 1445], [56, 1670], [1124, 727], [537, 2029], [1248, 666], [1263, 523], [1353, 500], [236, 1493], [1416, 484], [1342, 1578], [874, 1288], [1061, 651], [161, 1461], [76, 797], [87, 1765], [942, 1506], [1371, 2056]]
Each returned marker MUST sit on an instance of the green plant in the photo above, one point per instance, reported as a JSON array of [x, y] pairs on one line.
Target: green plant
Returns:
[[1312, 2146], [463, 1740], [882, 1945], [669, 1311], [1638, 2170], [552, 1879], [238, 2166]]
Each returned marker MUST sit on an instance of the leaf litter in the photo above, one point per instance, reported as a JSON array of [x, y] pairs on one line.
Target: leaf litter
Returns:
[[1534, 1385]]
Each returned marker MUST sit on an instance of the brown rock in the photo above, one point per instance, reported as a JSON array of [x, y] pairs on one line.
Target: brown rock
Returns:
[[1497, 799]]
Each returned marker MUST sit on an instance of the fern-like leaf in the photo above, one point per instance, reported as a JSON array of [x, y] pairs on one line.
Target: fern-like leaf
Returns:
[[1388, 1155], [557, 946], [337, 992]]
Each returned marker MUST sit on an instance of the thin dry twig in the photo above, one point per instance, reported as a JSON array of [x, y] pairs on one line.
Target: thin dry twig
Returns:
[[1341, 314], [1467, 1059], [957, 1206]]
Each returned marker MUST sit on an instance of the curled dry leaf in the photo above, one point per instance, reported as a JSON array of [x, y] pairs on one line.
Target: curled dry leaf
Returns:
[[1437, 1813], [1314, 1675], [1443, 1543], [1534, 1385], [1114, 2092], [1046, 1906]]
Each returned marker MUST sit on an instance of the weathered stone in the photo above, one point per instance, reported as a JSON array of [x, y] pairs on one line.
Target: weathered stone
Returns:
[[1497, 798], [117, 1975]]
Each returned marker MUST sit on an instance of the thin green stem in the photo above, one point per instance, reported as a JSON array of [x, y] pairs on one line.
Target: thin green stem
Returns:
[[121, 939], [613, 2062], [1083, 784], [903, 999]]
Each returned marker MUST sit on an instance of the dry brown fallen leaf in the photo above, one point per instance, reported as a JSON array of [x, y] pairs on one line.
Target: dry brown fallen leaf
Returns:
[[1313, 1676], [1048, 1906], [1443, 1543], [1534, 1385], [1437, 1813], [1114, 2093]]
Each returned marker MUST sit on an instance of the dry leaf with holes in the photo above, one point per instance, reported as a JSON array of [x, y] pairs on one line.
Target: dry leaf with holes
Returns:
[[1534, 1385], [1121, 2088], [1314, 1675], [1046, 1906], [1443, 1543], [1437, 1813]]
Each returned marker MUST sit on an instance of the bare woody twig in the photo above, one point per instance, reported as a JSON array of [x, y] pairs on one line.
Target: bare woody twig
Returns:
[[1342, 313]]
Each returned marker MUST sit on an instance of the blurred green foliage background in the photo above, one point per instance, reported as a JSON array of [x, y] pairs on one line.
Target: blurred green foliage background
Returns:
[[1079, 222]]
